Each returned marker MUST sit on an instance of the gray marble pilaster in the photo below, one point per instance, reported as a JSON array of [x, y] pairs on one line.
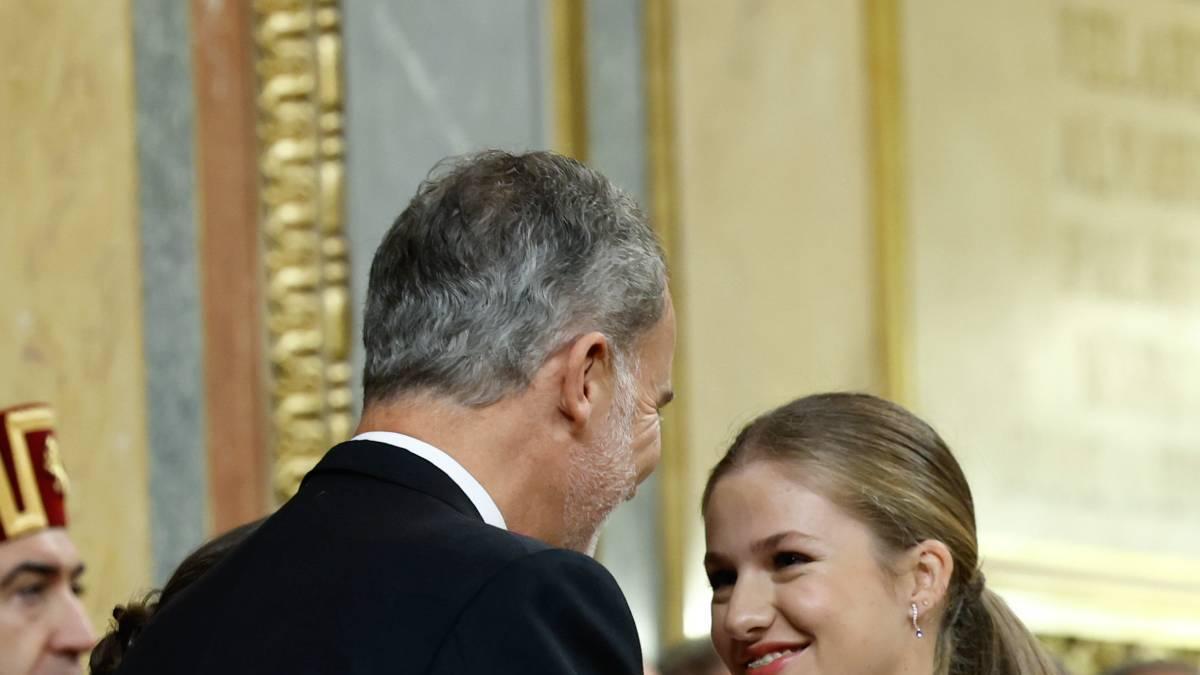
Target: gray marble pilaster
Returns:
[[426, 80], [631, 545], [173, 327]]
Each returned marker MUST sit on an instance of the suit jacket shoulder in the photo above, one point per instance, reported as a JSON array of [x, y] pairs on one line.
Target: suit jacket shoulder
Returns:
[[552, 611], [381, 564]]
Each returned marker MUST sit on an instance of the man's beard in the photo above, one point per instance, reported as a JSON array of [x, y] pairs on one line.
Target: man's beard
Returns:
[[603, 474]]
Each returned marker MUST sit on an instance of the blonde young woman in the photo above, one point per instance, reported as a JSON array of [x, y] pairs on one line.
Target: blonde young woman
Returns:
[[841, 541]]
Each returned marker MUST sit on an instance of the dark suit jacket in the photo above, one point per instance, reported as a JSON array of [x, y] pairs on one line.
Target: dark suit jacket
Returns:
[[381, 564]]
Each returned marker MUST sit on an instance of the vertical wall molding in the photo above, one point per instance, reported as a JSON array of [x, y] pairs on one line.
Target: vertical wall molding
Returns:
[[889, 201], [568, 31], [171, 281], [664, 209], [235, 393], [305, 254]]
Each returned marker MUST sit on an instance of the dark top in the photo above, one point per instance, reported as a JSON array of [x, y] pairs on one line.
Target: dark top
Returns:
[[381, 564]]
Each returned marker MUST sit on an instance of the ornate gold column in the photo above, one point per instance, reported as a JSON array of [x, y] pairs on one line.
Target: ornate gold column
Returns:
[[302, 172]]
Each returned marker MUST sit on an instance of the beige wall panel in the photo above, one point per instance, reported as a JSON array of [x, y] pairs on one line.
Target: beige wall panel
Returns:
[[1055, 197], [70, 295], [776, 239]]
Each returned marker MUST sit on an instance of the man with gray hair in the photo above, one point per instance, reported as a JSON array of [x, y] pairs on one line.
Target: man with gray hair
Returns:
[[519, 338]]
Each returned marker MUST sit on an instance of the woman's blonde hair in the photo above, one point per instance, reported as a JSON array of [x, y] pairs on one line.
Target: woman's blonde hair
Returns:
[[895, 474]]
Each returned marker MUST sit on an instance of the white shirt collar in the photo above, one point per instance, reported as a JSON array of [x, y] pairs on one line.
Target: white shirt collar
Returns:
[[462, 478]]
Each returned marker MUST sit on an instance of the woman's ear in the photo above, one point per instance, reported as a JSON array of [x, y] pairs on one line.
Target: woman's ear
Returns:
[[932, 567]]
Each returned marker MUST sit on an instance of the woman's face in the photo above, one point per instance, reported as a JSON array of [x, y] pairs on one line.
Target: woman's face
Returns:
[[798, 586]]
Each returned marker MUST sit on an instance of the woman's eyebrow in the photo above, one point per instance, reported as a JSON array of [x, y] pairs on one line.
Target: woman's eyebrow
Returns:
[[771, 542]]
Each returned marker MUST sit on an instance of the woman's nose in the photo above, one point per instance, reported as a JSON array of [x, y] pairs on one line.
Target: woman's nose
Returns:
[[751, 609]]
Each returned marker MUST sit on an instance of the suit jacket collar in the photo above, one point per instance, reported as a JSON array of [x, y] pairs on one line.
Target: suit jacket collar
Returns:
[[394, 465]]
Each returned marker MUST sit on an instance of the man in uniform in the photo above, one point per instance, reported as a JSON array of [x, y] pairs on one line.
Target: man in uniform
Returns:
[[43, 627]]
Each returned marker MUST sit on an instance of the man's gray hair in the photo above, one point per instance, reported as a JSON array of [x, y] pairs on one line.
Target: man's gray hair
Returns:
[[498, 261]]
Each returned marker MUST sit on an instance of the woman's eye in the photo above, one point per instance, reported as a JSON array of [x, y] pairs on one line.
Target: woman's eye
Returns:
[[785, 559], [78, 589], [721, 578]]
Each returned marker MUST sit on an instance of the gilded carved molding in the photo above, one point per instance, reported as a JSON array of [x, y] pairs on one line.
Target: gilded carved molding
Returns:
[[301, 163], [1093, 657]]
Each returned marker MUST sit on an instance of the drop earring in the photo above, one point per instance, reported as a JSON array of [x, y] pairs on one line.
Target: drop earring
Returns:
[[920, 633]]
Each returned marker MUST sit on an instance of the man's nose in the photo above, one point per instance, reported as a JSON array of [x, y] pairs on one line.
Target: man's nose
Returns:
[[73, 635]]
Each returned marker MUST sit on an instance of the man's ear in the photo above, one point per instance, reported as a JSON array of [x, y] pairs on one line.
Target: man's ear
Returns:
[[587, 377], [932, 566]]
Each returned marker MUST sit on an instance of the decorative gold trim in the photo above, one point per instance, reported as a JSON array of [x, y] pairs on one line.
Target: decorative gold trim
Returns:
[[1097, 594], [660, 139], [1092, 657], [569, 61], [889, 193], [53, 465], [32, 517], [306, 256]]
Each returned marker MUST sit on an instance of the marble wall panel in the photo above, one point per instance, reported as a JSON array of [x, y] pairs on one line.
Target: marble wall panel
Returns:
[[776, 240], [70, 282], [426, 80], [616, 121], [170, 281], [1055, 190]]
